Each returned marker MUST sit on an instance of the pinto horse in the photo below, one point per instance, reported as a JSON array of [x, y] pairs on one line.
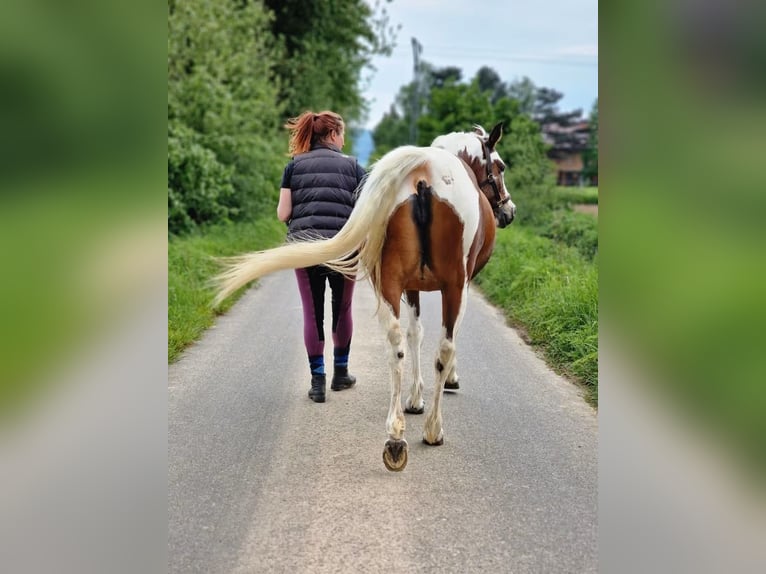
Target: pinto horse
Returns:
[[424, 220]]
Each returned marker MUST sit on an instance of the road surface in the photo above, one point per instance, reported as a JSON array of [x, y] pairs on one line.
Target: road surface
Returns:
[[261, 479]]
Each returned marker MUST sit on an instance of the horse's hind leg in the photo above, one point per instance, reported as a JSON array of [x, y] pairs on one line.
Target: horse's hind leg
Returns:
[[452, 382], [453, 305], [395, 449], [415, 403]]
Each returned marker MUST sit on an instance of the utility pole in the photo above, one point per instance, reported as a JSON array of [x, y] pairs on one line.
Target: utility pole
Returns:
[[417, 49]]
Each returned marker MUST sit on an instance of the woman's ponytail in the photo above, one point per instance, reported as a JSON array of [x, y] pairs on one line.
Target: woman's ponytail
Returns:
[[310, 128]]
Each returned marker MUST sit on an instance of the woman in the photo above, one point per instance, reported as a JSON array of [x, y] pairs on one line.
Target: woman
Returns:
[[315, 200]]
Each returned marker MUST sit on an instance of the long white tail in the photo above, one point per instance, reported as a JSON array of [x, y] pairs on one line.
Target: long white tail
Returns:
[[356, 248]]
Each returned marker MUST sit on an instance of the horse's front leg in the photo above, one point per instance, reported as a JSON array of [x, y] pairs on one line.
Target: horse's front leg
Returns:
[[415, 403], [453, 305], [395, 449]]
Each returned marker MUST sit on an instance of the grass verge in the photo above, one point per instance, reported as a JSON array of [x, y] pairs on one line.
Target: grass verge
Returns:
[[191, 264], [551, 292]]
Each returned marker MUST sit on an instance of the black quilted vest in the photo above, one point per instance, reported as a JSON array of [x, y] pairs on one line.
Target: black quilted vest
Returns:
[[322, 185]]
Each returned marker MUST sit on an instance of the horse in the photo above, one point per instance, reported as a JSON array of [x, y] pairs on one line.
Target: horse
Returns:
[[425, 220]]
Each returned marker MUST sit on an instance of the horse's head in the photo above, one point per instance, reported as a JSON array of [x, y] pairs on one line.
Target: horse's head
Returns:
[[490, 174], [477, 150]]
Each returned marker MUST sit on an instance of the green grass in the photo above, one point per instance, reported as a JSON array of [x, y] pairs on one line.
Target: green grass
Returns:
[[571, 195], [551, 292], [191, 264], [578, 230]]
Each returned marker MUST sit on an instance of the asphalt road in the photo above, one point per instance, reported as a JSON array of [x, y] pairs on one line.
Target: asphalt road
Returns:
[[261, 479]]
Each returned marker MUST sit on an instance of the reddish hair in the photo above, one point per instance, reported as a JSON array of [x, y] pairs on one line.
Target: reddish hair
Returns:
[[310, 128]]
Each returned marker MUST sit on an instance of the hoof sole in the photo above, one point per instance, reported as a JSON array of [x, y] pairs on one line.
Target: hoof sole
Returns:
[[414, 411], [395, 455]]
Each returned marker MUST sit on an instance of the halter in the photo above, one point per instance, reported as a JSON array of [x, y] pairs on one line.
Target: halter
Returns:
[[491, 177]]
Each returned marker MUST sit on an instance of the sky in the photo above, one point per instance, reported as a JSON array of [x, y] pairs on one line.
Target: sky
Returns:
[[553, 42]]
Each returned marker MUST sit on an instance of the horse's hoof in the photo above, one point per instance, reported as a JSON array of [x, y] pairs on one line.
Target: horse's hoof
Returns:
[[408, 408], [395, 454], [451, 385], [438, 442]]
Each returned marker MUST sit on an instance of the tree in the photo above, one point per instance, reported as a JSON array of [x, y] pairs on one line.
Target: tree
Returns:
[[440, 77], [394, 128], [523, 91], [489, 81], [326, 47], [590, 156], [454, 107], [545, 109], [236, 71], [223, 116], [391, 131], [542, 105]]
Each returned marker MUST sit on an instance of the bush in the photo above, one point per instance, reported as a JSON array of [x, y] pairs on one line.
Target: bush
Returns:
[[535, 205], [578, 230], [198, 184], [224, 139]]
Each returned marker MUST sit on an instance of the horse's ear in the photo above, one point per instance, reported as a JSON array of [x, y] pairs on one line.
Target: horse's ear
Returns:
[[495, 135]]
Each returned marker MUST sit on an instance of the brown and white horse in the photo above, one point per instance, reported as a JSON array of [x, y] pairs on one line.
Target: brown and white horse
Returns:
[[424, 220]]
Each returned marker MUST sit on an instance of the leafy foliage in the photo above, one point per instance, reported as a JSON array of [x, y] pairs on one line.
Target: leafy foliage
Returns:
[[222, 115], [392, 130], [524, 91], [453, 107], [198, 184], [236, 70], [326, 47], [545, 108], [578, 230]]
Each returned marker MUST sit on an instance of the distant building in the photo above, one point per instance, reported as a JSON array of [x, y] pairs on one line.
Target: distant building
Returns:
[[567, 146]]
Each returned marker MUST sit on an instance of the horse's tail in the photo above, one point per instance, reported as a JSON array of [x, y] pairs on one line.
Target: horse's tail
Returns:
[[242, 269], [355, 248]]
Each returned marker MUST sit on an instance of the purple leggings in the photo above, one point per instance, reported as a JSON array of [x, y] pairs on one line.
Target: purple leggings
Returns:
[[311, 284]]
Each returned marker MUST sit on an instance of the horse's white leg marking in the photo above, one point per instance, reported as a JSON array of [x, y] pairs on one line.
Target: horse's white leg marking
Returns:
[[453, 376], [415, 401], [395, 421], [433, 432]]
